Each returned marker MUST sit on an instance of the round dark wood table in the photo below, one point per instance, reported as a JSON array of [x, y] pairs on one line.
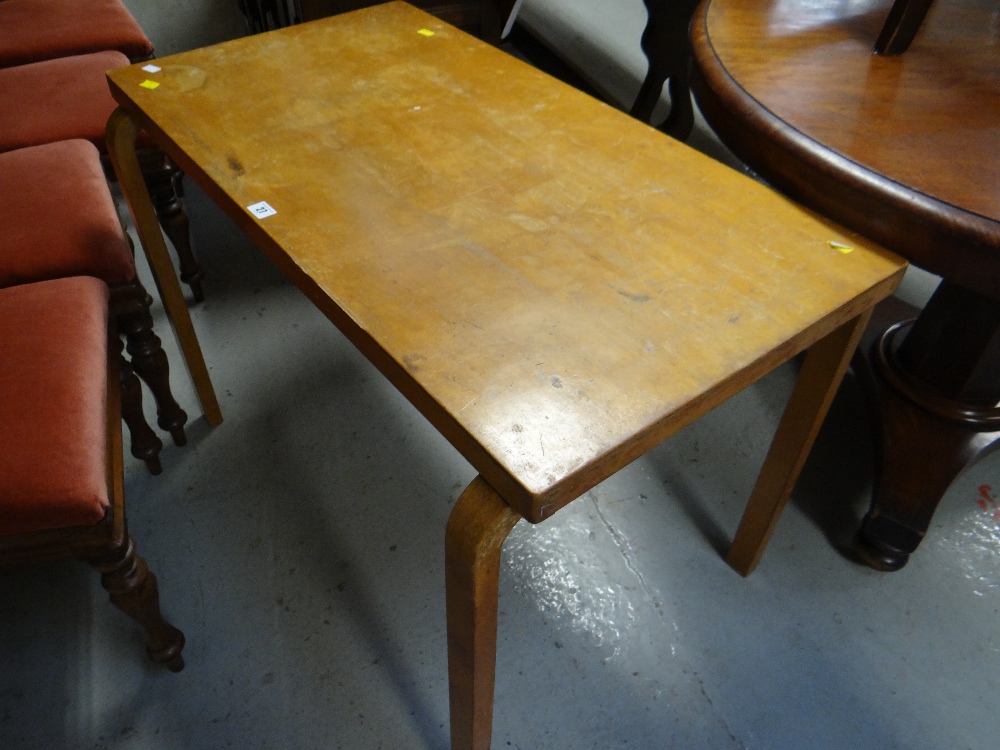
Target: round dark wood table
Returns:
[[904, 150]]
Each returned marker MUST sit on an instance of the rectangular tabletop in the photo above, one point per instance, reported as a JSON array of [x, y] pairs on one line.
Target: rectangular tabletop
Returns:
[[556, 286]]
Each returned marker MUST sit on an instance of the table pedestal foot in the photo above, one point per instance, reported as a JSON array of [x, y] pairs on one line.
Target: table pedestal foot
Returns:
[[477, 528], [920, 457], [925, 436]]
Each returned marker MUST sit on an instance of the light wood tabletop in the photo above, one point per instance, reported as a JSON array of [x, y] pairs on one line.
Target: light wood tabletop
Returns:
[[557, 287]]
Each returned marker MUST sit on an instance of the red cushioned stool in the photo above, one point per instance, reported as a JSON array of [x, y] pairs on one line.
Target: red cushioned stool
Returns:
[[60, 447], [34, 30], [58, 100], [58, 219]]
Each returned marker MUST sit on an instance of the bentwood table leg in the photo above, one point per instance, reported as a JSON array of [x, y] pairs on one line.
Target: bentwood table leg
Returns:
[[477, 528], [121, 133], [821, 374]]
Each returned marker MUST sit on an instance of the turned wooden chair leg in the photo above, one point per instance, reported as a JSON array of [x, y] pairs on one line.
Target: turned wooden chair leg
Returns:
[[477, 528], [133, 589], [144, 444], [165, 190], [121, 135], [819, 379], [150, 361]]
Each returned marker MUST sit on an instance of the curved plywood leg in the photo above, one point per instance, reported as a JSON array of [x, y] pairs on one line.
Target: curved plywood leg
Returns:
[[121, 133], [818, 382], [479, 524]]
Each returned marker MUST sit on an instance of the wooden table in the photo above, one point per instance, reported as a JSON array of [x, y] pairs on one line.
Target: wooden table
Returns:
[[555, 286], [903, 150]]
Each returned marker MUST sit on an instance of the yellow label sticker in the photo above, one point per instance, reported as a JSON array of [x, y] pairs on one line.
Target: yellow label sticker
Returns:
[[425, 32], [147, 84], [841, 247]]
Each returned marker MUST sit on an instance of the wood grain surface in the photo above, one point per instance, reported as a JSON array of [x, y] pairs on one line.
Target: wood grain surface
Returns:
[[556, 286], [902, 149]]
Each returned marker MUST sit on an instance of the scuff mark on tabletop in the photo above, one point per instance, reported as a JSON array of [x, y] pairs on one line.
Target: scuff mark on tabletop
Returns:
[[634, 297], [412, 362], [183, 78]]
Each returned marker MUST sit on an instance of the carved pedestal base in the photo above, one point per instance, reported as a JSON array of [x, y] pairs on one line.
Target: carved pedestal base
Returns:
[[925, 437]]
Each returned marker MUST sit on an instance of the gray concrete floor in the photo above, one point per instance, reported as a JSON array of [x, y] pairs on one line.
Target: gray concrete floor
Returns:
[[300, 547]]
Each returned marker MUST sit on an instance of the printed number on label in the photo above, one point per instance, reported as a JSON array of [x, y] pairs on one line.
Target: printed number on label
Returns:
[[261, 210]]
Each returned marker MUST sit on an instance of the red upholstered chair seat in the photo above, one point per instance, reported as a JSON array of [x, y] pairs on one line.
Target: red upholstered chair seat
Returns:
[[58, 219], [57, 100], [34, 30], [53, 391], [60, 447], [57, 216]]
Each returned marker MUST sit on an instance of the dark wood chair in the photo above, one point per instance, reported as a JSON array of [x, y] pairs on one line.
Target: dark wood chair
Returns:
[[901, 26], [58, 219], [265, 15], [61, 493], [667, 47]]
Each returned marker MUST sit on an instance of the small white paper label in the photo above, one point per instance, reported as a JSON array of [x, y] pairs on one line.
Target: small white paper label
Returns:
[[261, 210], [151, 68]]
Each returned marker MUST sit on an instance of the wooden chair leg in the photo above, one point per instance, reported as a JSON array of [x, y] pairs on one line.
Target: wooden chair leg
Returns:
[[164, 183], [121, 134], [133, 589], [150, 361], [144, 444], [817, 384], [680, 121], [666, 46], [901, 26], [477, 528]]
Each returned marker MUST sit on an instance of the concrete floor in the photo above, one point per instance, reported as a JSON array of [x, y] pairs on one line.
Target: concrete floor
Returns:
[[300, 547]]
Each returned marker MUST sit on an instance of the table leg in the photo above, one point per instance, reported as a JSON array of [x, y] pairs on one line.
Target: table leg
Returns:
[[121, 134], [477, 528], [818, 381], [933, 382]]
